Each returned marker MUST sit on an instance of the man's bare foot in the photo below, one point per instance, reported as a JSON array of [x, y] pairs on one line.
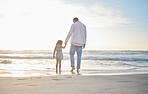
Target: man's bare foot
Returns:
[[73, 68], [78, 71]]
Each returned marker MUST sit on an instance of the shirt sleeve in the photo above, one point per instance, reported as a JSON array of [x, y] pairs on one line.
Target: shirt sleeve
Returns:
[[85, 34], [70, 33]]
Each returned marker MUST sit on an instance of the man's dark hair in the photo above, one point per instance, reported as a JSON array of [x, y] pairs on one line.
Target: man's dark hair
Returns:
[[75, 19]]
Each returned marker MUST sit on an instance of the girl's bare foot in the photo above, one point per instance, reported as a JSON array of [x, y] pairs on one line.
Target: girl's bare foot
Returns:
[[56, 71], [59, 72]]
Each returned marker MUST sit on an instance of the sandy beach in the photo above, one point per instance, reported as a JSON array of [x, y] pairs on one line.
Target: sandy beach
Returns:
[[76, 84]]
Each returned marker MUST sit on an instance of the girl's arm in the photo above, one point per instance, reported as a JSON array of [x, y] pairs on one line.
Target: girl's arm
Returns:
[[63, 47], [54, 52]]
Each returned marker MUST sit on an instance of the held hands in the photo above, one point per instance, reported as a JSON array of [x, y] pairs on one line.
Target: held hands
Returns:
[[65, 44]]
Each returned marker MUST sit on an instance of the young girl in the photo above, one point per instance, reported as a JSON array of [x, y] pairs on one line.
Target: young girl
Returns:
[[59, 55]]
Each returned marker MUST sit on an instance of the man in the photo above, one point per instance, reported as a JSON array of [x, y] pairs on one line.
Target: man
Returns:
[[78, 40]]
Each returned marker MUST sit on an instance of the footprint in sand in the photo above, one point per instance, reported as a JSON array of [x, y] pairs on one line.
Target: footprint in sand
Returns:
[[62, 78], [31, 85], [22, 79], [57, 79], [124, 81]]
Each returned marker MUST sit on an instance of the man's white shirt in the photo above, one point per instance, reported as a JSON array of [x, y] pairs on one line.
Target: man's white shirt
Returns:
[[77, 34]]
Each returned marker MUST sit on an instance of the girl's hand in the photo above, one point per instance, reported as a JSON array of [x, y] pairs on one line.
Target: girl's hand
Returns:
[[64, 46]]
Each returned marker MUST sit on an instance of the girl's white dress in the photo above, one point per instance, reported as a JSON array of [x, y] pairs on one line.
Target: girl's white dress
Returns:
[[59, 54]]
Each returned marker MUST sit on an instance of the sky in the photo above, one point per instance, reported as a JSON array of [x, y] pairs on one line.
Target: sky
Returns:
[[39, 24]]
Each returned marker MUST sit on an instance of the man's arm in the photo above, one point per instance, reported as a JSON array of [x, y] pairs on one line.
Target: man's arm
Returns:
[[70, 33], [85, 37]]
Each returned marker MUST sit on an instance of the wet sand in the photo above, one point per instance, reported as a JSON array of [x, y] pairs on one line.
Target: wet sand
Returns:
[[75, 84]]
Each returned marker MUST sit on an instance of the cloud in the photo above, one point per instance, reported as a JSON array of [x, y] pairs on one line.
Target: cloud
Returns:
[[1, 16], [100, 16], [94, 16], [107, 16], [3, 1], [40, 22]]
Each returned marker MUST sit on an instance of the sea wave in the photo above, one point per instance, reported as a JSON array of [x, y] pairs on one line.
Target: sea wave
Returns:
[[25, 52], [109, 52], [115, 58], [83, 58], [5, 61], [121, 55], [116, 52]]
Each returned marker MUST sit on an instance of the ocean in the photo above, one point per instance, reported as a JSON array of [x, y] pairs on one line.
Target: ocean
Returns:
[[22, 63]]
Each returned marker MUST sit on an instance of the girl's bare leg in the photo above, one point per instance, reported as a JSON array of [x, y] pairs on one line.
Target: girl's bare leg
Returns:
[[57, 67]]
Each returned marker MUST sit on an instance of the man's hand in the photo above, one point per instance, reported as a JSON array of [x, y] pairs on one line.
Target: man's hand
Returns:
[[65, 43], [83, 46]]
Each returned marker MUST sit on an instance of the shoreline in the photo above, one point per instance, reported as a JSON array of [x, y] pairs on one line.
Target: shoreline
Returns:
[[51, 73]]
